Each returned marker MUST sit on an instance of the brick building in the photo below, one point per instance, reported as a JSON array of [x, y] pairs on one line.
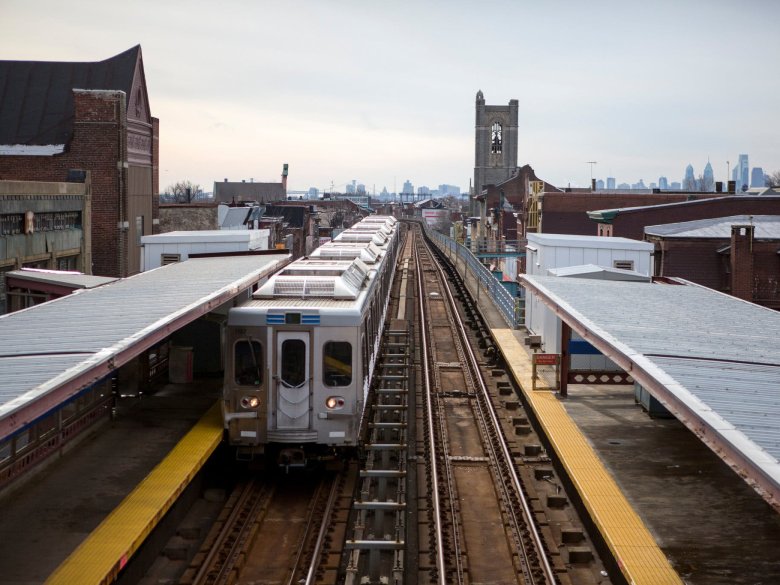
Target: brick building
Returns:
[[630, 222], [231, 192], [737, 255], [59, 119], [566, 212]]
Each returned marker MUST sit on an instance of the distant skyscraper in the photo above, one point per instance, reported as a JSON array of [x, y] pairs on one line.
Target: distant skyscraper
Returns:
[[423, 190], [625, 186], [708, 179], [599, 184], [743, 174], [408, 188], [610, 182], [663, 183], [449, 190], [757, 178], [675, 186], [689, 181]]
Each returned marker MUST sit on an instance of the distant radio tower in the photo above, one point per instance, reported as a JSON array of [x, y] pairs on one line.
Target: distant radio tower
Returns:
[[591, 163]]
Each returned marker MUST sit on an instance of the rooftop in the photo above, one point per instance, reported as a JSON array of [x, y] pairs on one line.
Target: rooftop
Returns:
[[712, 359], [766, 227], [52, 351]]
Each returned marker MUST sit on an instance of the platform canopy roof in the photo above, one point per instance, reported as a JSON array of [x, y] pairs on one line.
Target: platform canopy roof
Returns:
[[51, 352], [713, 360]]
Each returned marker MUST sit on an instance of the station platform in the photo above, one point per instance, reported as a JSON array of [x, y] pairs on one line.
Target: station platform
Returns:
[[669, 509], [104, 553], [629, 540]]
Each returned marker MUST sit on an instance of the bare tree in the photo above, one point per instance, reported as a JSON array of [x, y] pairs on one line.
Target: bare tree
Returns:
[[183, 191], [773, 179], [705, 184]]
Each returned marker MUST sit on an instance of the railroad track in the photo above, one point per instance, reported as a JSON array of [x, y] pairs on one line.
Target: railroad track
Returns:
[[487, 522], [271, 530]]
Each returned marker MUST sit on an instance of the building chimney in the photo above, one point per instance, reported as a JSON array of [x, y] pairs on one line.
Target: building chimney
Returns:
[[742, 261], [718, 186], [593, 184], [732, 187], [226, 179], [284, 178]]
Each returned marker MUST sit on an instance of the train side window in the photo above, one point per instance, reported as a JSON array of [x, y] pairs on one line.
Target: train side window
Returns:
[[293, 362], [248, 363], [337, 363]]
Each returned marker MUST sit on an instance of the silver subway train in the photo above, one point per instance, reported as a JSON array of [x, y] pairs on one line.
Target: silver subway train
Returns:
[[301, 353]]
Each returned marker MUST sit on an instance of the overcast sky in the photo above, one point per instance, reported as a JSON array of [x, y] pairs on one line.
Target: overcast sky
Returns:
[[382, 92]]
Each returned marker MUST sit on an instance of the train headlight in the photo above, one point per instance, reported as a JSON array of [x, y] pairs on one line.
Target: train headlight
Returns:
[[334, 402], [250, 402]]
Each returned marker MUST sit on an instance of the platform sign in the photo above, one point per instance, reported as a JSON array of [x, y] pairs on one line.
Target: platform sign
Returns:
[[546, 359]]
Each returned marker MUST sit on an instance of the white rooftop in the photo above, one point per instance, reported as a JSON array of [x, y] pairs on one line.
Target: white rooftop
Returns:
[[766, 227], [588, 241], [182, 237]]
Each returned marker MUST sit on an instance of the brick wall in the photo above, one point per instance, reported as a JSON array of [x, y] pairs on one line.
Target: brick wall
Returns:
[[96, 146], [632, 224]]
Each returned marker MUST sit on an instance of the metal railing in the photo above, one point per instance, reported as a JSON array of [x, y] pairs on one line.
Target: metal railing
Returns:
[[510, 307]]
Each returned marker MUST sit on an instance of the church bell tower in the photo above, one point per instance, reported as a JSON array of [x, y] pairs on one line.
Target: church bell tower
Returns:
[[495, 144]]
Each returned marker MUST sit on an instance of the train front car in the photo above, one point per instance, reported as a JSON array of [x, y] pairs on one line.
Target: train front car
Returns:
[[300, 353]]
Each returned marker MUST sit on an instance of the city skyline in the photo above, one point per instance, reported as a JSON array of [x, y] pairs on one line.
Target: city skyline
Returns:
[[242, 88]]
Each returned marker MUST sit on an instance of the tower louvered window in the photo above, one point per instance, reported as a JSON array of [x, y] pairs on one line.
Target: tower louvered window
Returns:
[[495, 138]]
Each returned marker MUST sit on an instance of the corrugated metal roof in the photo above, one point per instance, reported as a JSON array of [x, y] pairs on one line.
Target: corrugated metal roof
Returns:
[[59, 277], [717, 355], [766, 227], [44, 347]]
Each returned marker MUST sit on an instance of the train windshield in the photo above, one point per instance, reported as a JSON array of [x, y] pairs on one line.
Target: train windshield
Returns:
[[248, 360], [337, 363], [293, 362]]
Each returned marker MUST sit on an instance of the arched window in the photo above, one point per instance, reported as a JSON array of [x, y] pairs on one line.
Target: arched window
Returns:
[[495, 138]]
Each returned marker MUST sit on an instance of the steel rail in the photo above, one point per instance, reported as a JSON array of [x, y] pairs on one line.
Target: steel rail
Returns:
[[320, 541], [429, 416], [549, 573], [214, 569]]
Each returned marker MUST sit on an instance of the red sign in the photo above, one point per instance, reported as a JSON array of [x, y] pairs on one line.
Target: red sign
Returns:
[[546, 359]]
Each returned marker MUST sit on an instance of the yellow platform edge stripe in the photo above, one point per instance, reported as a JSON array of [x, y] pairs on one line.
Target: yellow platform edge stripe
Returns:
[[108, 548], [637, 554]]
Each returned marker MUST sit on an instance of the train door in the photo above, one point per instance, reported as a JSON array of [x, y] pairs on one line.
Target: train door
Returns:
[[293, 380]]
